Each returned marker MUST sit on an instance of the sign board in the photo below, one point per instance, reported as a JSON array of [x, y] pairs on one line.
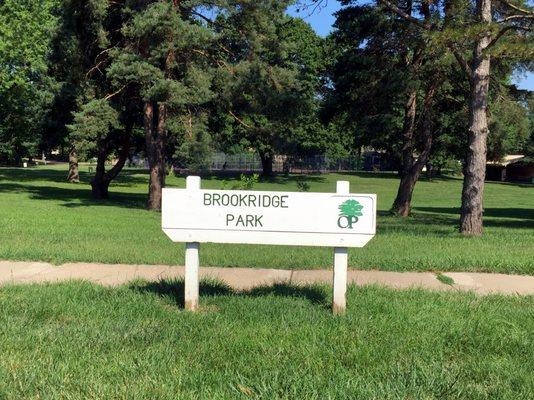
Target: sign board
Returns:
[[261, 217], [340, 220]]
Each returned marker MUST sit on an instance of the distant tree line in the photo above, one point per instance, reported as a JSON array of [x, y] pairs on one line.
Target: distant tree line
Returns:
[[425, 81]]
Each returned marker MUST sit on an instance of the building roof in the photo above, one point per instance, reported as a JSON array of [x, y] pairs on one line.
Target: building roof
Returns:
[[508, 159]]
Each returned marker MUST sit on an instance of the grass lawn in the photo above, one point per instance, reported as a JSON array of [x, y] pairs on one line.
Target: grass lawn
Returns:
[[44, 218], [82, 341]]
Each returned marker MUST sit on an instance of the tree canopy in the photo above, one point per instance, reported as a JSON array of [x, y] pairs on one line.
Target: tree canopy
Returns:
[[428, 84]]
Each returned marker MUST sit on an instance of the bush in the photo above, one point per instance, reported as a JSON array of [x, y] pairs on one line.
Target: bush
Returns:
[[246, 182]]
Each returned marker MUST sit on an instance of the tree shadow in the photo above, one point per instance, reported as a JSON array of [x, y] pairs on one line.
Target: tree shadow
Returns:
[[76, 196], [174, 290], [311, 293], [33, 174], [127, 177], [509, 217], [506, 212], [520, 184]]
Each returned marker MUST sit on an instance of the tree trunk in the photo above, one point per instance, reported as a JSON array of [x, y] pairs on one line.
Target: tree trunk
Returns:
[[407, 132], [99, 185], [102, 179], [73, 175], [100, 188], [403, 202], [155, 136], [266, 164], [475, 163], [429, 171]]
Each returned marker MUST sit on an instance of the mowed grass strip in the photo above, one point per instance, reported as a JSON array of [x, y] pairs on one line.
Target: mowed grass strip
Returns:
[[43, 218], [81, 341]]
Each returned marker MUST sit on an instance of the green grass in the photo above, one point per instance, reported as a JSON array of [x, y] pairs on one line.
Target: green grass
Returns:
[[447, 280], [82, 341], [44, 218]]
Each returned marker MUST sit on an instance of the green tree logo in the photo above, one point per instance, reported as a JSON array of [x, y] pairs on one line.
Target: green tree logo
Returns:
[[349, 211]]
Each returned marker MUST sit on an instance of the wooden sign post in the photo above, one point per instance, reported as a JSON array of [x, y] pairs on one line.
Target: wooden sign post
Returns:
[[341, 259], [338, 220], [192, 260]]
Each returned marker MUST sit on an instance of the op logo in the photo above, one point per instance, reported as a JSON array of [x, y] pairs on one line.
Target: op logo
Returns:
[[349, 211]]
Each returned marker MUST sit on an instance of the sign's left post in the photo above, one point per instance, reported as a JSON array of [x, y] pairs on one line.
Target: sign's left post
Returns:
[[192, 260]]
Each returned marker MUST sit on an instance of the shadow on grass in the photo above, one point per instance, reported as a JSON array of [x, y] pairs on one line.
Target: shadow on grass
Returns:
[[525, 214], [33, 174], [519, 184], [174, 290], [440, 221], [127, 177], [77, 195]]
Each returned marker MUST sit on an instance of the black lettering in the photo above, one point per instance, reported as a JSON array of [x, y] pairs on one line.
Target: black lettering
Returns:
[[250, 220], [234, 200], [257, 221], [283, 201], [207, 199], [225, 199], [229, 218], [348, 221], [343, 218], [240, 221]]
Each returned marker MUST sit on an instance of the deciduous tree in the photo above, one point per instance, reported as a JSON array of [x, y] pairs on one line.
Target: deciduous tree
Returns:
[[25, 88]]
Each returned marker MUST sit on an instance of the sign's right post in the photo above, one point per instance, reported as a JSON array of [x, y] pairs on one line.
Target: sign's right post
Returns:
[[339, 302]]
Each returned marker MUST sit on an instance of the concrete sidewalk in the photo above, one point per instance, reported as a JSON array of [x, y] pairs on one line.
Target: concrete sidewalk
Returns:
[[247, 278]]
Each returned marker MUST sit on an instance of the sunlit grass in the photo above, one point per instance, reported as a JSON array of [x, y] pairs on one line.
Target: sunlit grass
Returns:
[[81, 341], [44, 218]]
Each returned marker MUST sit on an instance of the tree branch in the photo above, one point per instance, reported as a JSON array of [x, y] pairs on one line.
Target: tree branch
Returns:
[[123, 155], [461, 60], [517, 16], [517, 8], [96, 67], [241, 122], [407, 17], [109, 96], [202, 16], [506, 29]]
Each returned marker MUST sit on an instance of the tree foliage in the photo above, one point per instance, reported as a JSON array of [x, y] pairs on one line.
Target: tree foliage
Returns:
[[269, 82], [25, 87]]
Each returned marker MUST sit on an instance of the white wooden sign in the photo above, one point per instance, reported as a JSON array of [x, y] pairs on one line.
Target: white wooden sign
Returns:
[[257, 217], [338, 220]]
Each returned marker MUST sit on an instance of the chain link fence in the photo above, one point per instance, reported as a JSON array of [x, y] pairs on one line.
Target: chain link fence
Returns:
[[250, 162]]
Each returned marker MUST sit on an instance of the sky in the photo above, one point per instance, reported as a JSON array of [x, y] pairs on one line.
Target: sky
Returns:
[[322, 19]]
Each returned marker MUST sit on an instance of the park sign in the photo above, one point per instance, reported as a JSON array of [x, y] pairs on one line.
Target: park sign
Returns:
[[338, 220], [261, 217]]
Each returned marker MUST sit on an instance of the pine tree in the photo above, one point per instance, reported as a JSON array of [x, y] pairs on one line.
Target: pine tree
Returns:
[[165, 61], [386, 83], [473, 33], [100, 119], [268, 85]]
